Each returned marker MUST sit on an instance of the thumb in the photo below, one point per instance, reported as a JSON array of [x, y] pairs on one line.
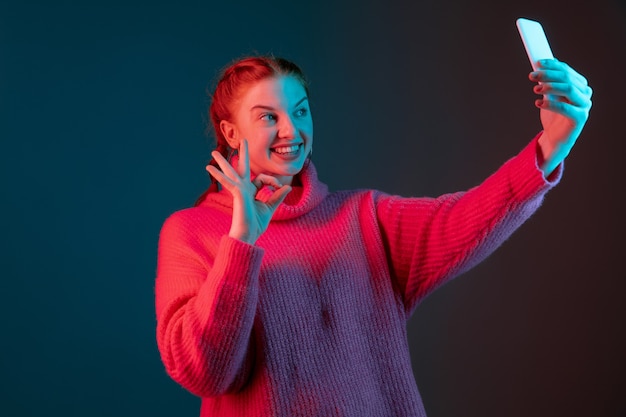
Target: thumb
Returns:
[[278, 196]]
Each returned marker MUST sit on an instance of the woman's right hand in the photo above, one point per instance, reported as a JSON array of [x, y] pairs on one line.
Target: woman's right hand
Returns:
[[250, 215]]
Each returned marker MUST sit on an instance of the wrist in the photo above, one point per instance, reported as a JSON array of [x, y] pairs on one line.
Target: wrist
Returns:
[[544, 148], [242, 236], [545, 154]]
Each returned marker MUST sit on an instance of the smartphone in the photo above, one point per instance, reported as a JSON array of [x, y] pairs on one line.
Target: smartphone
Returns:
[[535, 41]]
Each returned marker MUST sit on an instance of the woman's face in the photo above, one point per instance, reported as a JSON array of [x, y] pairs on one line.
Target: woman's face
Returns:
[[275, 117]]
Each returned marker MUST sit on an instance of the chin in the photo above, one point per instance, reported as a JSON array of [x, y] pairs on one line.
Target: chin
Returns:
[[290, 172], [291, 168]]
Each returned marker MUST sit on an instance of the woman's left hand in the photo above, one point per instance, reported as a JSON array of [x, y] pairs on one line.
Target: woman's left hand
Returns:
[[564, 109]]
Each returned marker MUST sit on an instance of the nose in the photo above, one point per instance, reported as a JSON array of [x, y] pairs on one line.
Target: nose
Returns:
[[287, 128]]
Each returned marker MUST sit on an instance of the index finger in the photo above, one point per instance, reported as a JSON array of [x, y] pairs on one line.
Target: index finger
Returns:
[[243, 165], [563, 66]]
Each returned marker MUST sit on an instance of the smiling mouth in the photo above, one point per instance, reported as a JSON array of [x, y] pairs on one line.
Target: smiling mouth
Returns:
[[287, 150]]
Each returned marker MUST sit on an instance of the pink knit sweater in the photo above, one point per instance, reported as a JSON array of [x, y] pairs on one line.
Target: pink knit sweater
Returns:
[[311, 321]]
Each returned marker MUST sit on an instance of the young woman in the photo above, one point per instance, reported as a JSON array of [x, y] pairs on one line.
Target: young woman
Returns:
[[275, 297]]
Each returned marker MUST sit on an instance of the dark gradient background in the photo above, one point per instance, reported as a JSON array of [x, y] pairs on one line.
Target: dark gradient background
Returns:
[[102, 119]]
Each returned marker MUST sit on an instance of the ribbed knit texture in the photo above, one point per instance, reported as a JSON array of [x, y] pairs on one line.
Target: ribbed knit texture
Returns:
[[311, 321]]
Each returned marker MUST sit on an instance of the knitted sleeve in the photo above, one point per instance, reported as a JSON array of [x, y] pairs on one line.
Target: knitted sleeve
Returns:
[[431, 240], [205, 307]]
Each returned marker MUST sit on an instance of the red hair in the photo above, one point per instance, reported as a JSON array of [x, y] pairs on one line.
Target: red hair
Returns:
[[233, 80]]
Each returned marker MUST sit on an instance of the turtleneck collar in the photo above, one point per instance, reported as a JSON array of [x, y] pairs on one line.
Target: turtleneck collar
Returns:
[[305, 195]]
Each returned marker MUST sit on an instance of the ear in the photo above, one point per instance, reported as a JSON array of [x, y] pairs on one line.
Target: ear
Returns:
[[229, 130]]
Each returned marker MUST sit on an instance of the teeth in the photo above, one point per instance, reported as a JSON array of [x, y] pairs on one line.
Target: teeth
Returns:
[[286, 149]]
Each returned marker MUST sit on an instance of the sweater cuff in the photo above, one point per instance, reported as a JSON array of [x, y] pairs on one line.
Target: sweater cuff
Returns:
[[247, 256], [526, 177], [235, 269]]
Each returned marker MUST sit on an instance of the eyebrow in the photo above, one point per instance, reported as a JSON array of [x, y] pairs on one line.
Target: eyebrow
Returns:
[[261, 106]]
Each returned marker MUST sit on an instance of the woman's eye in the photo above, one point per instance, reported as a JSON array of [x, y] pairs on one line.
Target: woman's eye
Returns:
[[268, 116], [302, 112]]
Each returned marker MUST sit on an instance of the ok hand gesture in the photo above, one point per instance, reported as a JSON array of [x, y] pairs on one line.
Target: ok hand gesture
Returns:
[[250, 215]]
